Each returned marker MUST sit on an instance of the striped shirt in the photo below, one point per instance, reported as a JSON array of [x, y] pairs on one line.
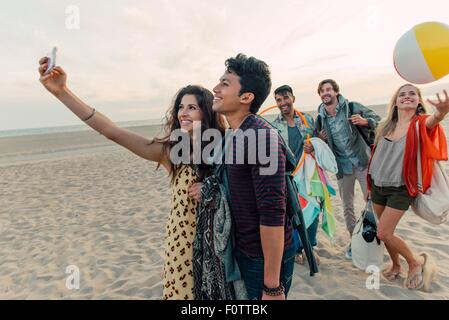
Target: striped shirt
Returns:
[[257, 199]]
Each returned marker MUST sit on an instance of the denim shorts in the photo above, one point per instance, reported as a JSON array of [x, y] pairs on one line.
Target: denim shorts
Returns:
[[393, 197]]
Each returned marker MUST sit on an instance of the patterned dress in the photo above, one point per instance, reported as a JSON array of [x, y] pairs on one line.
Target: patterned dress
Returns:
[[180, 233]]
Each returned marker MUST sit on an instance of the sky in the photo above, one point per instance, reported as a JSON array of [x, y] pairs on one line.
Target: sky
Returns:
[[128, 58]]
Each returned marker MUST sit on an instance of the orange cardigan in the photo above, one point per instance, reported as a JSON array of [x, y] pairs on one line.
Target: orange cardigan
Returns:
[[433, 148]]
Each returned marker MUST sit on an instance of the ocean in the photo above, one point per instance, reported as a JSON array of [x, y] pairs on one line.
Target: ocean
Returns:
[[72, 128]]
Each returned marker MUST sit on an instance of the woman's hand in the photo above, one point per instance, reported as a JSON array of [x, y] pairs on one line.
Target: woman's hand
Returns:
[[441, 106], [195, 191], [367, 196], [55, 81]]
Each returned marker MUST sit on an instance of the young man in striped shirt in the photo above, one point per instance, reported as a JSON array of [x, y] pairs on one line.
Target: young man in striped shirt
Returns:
[[263, 233]]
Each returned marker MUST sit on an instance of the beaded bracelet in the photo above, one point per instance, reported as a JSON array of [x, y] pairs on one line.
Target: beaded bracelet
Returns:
[[274, 291]]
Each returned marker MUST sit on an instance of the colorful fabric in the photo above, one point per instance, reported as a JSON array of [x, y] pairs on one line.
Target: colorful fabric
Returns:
[[324, 155], [213, 232], [304, 126], [315, 191], [433, 147]]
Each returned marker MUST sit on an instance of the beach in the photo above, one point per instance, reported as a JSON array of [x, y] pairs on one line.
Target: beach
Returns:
[[76, 200]]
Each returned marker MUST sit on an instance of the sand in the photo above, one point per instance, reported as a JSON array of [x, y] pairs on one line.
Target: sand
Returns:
[[77, 199]]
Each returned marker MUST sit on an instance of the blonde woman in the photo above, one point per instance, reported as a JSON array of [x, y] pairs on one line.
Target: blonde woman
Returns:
[[392, 174]]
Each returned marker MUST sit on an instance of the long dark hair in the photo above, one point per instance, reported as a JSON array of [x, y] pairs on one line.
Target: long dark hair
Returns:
[[210, 120]]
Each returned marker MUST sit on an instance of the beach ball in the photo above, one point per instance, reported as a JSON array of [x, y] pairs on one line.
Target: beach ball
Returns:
[[421, 55]]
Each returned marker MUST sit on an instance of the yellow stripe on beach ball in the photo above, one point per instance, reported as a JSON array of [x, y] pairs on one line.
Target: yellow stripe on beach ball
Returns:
[[421, 55], [433, 39]]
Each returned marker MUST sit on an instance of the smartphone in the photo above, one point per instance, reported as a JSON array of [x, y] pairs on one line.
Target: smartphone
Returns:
[[51, 61]]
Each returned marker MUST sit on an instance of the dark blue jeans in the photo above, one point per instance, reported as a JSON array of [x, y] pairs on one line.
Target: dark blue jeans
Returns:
[[252, 270]]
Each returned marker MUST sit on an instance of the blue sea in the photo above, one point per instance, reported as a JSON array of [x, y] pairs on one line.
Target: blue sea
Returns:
[[73, 128]]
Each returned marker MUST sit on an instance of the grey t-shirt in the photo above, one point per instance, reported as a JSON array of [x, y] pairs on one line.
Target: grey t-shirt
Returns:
[[387, 163], [295, 141]]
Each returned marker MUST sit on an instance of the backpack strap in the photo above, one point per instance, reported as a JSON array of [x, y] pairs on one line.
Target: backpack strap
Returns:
[[362, 133], [351, 107]]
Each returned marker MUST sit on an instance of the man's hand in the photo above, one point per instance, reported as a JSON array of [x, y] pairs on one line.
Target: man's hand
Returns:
[[358, 120], [195, 191], [322, 135], [308, 148]]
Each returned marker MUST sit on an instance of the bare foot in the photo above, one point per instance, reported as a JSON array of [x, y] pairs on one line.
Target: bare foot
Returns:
[[392, 273], [301, 258]]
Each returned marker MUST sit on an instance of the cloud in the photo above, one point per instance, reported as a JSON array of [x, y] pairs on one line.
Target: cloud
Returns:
[[131, 57]]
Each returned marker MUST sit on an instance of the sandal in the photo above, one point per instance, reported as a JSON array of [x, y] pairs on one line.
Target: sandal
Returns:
[[428, 272], [390, 275], [420, 283], [417, 276]]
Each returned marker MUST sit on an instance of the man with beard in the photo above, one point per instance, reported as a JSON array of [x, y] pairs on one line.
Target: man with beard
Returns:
[[294, 127], [337, 123]]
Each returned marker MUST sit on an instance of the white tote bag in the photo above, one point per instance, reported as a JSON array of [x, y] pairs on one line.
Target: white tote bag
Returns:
[[433, 205], [365, 253]]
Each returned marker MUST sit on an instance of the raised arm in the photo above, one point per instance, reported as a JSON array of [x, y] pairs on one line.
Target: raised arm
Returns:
[[56, 83], [442, 109]]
